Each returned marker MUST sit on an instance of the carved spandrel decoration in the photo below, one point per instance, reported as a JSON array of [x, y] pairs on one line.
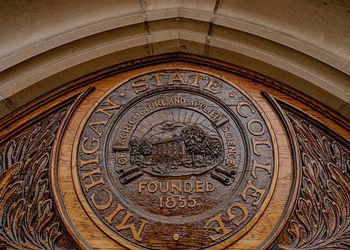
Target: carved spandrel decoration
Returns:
[[174, 160], [28, 218], [321, 218]]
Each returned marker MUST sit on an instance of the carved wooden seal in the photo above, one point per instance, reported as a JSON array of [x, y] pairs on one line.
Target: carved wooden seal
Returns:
[[175, 159]]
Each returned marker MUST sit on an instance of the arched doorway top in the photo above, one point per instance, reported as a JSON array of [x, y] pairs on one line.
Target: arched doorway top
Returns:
[[45, 45]]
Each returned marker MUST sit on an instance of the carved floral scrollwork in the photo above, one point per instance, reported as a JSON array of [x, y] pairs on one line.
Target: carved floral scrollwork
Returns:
[[27, 214], [321, 218]]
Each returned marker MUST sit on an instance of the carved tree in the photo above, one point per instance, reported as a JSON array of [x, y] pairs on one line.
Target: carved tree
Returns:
[[193, 137]]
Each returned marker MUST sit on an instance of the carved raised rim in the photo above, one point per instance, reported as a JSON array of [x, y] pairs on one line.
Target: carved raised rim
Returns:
[[296, 172], [54, 168]]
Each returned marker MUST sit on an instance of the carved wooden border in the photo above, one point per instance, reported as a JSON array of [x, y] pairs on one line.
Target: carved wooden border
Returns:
[[270, 241]]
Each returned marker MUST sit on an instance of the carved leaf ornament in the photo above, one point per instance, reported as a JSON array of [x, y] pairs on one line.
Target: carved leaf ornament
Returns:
[[321, 219], [27, 215]]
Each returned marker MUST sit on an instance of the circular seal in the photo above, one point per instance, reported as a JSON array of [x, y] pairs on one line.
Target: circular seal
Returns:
[[175, 159]]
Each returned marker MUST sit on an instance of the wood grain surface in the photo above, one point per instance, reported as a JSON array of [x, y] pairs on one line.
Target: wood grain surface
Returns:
[[309, 155]]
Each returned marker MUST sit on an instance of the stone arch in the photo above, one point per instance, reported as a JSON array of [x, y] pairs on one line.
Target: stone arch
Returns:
[[45, 46]]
